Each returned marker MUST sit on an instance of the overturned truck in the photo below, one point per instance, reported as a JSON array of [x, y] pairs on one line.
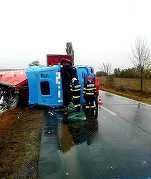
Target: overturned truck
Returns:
[[42, 85], [13, 88], [45, 84]]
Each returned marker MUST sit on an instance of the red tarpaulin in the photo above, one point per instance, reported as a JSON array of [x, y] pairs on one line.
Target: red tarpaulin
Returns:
[[14, 78]]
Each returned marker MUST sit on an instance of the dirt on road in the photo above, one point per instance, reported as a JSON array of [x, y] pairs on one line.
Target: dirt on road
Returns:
[[20, 132]]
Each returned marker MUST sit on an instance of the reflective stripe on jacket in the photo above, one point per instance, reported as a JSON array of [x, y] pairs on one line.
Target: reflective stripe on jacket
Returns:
[[89, 90], [75, 97], [75, 89]]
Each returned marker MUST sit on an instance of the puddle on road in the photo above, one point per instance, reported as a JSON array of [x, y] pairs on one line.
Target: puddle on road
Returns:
[[89, 147], [76, 146]]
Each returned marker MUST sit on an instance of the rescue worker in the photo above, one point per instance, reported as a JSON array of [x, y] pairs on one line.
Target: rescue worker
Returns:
[[89, 92], [75, 89], [66, 74], [97, 85]]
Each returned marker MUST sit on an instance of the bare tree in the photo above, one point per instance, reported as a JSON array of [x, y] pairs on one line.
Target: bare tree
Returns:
[[106, 68], [141, 58]]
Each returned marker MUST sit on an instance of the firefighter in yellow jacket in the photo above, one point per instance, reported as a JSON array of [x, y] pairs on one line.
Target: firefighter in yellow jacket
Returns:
[[89, 92], [75, 89]]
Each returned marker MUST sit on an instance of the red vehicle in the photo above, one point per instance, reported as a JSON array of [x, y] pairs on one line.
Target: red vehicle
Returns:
[[13, 78], [58, 59], [12, 81], [97, 84]]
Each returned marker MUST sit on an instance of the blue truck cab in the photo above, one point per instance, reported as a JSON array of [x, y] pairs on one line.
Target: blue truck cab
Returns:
[[45, 86]]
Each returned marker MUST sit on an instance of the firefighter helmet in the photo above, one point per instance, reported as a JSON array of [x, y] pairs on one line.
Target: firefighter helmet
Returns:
[[74, 79], [89, 79]]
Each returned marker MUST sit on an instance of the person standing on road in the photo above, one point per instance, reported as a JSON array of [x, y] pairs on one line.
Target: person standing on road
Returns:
[[66, 74], [75, 89], [89, 92]]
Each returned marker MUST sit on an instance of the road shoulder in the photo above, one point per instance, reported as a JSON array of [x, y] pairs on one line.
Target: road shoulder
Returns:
[[137, 96]]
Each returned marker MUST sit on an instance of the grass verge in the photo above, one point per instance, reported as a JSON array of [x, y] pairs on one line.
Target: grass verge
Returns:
[[136, 95]]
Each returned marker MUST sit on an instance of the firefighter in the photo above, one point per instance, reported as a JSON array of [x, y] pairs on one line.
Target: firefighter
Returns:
[[75, 89], [66, 73], [89, 92]]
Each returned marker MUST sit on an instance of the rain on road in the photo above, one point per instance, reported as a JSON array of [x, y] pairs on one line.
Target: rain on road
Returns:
[[116, 145]]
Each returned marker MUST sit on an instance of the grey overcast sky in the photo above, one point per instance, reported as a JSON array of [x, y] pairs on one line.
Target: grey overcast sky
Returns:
[[100, 30]]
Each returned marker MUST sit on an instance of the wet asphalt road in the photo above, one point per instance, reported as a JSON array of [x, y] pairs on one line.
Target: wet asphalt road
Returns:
[[116, 145]]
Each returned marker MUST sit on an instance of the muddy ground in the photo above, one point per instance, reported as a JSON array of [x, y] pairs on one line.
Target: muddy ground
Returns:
[[20, 131]]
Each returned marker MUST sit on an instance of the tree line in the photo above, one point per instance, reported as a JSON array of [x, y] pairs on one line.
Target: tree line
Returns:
[[141, 60], [127, 73]]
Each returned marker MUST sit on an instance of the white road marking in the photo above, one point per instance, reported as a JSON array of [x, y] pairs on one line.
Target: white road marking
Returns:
[[109, 111]]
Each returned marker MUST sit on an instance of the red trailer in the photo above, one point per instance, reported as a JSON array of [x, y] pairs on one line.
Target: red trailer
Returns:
[[13, 78], [58, 59]]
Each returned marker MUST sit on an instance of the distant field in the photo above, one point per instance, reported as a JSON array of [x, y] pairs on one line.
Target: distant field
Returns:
[[128, 87], [127, 84]]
